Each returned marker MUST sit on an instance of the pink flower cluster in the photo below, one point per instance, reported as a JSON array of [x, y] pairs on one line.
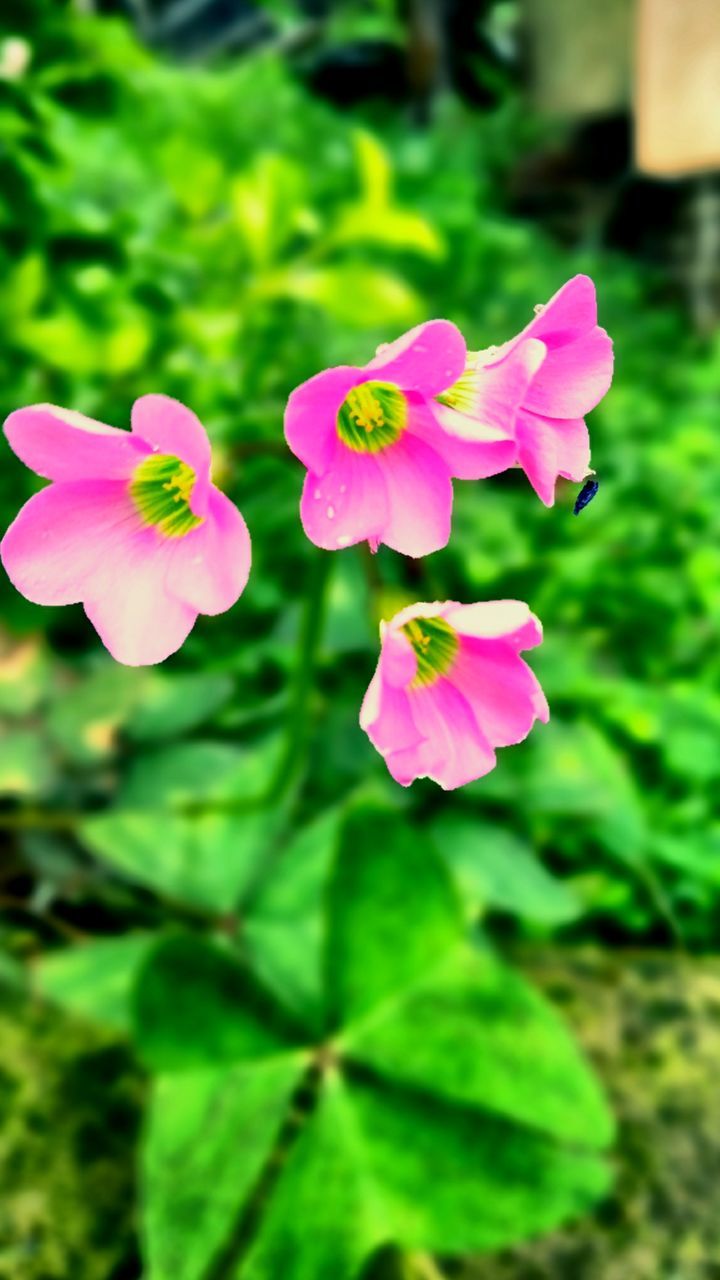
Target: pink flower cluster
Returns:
[[132, 527]]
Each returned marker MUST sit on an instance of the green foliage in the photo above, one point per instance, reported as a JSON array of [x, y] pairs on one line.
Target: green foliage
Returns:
[[382, 1126], [343, 1060]]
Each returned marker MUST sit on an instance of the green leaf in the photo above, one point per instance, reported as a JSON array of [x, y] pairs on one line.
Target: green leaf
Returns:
[[209, 1136], [453, 1113], [94, 979], [186, 772], [207, 861], [495, 868], [197, 1006], [25, 766], [374, 166], [267, 203], [24, 676], [482, 1037], [451, 1181], [170, 705], [392, 911], [576, 771], [369, 1169], [85, 719], [284, 927], [352, 293]]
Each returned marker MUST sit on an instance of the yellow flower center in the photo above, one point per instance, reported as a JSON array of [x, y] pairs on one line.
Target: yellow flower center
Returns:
[[435, 644], [160, 488], [372, 416]]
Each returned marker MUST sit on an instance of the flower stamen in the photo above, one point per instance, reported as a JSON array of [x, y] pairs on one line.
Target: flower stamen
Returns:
[[372, 416], [160, 488], [435, 644]]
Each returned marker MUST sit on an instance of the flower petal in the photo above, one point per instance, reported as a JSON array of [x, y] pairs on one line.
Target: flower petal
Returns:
[[428, 359], [311, 415], [454, 750], [346, 505], [480, 442], [209, 567], [508, 620], [137, 619], [386, 716], [552, 447], [419, 496], [573, 378], [170, 427], [397, 659], [63, 445], [62, 534], [504, 693], [571, 312], [490, 453]]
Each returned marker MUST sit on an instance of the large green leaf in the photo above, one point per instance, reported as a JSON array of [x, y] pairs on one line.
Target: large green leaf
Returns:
[[284, 924], [496, 869], [209, 1135], [94, 979], [450, 1111], [188, 772], [481, 1036], [392, 909], [206, 860], [372, 1167], [197, 1006], [171, 705]]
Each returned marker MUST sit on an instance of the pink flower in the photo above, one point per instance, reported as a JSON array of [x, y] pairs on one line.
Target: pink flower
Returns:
[[131, 525], [573, 371], [379, 457], [450, 687]]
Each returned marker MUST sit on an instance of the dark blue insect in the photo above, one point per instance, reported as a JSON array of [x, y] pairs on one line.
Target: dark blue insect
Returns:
[[586, 494]]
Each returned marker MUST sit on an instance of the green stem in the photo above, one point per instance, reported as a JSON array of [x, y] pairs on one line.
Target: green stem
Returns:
[[293, 759]]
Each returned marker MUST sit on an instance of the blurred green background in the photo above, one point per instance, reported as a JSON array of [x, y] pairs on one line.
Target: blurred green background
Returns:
[[181, 844]]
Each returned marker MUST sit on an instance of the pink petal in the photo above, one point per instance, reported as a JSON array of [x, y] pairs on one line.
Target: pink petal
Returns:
[[62, 534], [481, 442], [170, 427], [137, 619], [397, 659], [507, 620], [491, 451], [209, 567], [570, 312], [549, 447], [346, 505], [428, 359], [419, 495], [454, 751], [311, 415], [573, 378], [386, 716], [63, 445], [503, 692]]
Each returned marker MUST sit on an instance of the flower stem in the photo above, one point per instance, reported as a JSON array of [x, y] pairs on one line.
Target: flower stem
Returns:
[[291, 765]]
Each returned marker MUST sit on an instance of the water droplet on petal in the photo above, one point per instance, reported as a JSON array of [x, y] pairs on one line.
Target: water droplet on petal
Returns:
[[538, 308], [343, 540], [331, 513]]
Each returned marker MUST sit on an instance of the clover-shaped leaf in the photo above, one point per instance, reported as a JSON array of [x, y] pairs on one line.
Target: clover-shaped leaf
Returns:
[[441, 1104], [223, 865]]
